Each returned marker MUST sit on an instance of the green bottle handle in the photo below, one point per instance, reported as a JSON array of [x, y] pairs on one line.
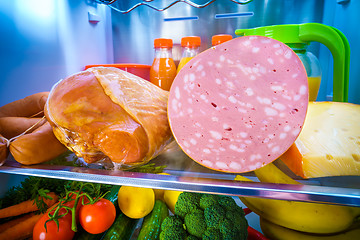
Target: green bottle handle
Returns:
[[339, 47]]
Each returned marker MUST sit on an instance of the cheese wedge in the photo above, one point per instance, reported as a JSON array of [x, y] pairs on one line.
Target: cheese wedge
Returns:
[[329, 143]]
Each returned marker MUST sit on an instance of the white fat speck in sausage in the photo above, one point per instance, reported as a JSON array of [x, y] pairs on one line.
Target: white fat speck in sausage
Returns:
[[247, 111]]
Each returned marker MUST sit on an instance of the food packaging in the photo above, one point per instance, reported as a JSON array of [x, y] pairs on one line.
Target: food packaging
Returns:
[[109, 114], [140, 70]]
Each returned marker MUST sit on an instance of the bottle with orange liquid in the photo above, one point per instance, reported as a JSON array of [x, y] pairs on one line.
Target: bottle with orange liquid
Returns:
[[312, 67], [190, 48], [163, 69], [220, 38]]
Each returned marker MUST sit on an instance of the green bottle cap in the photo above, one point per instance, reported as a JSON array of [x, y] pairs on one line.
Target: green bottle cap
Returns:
[[288, 33]]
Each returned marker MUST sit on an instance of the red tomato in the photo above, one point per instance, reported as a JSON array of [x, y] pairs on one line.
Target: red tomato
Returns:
[[98, 217], [79, 205], [73, 197], [52, 232]]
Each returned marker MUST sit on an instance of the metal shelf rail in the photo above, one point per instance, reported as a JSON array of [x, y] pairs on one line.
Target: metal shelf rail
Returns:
[[146, 3]]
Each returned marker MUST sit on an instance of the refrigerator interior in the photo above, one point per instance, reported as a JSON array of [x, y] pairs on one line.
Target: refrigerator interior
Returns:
[[43, 41]]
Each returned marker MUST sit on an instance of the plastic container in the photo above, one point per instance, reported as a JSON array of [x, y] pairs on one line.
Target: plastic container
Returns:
[[163, 69], [140, 70], [312, 67], [190, 48], [220, 38]]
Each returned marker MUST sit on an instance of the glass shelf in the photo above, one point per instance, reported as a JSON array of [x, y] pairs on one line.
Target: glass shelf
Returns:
[[186, 175]]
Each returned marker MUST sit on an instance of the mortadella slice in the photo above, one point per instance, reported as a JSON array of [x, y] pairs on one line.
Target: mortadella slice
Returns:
[[240, 105]]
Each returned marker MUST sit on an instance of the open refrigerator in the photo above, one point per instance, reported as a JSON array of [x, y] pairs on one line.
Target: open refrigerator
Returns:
[[43, 41]]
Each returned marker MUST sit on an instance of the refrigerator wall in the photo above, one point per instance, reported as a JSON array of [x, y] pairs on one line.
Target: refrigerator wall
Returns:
[[43, 41], [343, 15], [220, 17]]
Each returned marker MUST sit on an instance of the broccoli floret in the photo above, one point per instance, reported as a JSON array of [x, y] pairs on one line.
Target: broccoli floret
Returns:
[[172, 228], [237, 217], [195, 223], [227, 202], [210, 217], [213, 215], [191, 237], [242, 229], [186, 203], [207, 200], [212, 234], [233, 230], [174, 232], [171, 221], [227, 229]]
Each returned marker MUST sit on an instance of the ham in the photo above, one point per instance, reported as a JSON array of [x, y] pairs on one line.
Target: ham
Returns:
[[240, 105]]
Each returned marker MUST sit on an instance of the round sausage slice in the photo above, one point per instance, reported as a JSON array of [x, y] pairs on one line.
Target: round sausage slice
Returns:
[[238, 106]]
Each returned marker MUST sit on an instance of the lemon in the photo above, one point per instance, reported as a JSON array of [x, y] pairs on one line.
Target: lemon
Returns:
[[170, 198], [159, 193], [136, 202]]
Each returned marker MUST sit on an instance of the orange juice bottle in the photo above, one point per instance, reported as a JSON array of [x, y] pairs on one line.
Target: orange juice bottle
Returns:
[[190, 48], [163, 69], [220, 38], [312, 67]]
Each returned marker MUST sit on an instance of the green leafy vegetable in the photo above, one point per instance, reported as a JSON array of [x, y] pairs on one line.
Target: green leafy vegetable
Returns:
[[32, 188], [149, 168]]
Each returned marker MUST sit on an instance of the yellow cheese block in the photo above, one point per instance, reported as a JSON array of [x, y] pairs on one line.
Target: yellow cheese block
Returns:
[[329, 143]]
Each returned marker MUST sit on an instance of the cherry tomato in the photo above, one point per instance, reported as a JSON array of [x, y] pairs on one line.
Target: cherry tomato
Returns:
[[52, 232], [98, 217]]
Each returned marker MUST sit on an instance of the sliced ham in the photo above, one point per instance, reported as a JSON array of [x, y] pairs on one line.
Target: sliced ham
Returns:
[[238, 106]]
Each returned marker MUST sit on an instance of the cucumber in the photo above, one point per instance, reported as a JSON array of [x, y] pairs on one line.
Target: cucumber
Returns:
[[112, 197], [150, 229], [81, 234], [123, 228]]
